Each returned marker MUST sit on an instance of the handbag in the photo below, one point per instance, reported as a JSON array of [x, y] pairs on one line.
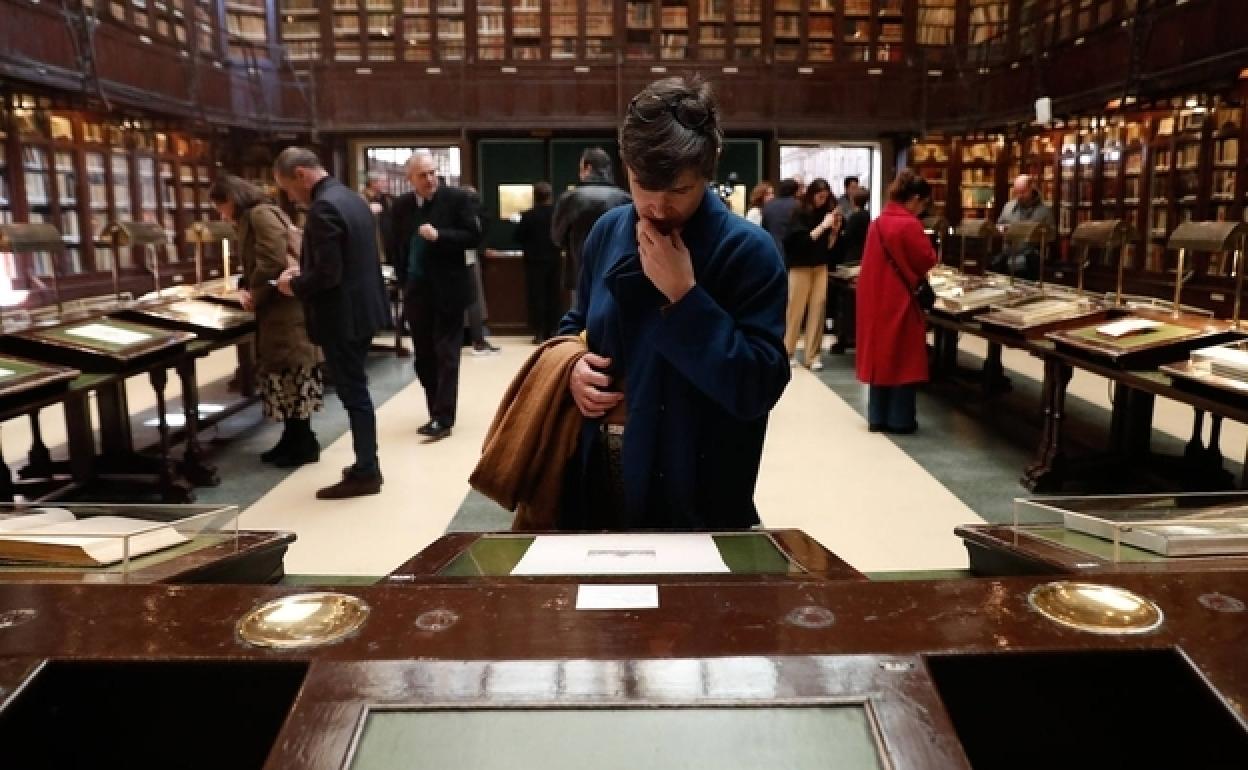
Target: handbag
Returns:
[[922, 293]]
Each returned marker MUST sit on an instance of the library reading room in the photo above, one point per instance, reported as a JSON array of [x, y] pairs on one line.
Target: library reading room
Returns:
[[614, 384]]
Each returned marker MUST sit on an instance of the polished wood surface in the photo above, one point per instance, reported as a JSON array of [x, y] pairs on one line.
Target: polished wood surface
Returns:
[[525, 645], [254, 557], [811, 560]]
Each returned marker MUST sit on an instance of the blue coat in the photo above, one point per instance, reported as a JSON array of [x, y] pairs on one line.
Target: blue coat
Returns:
[[700, 376]]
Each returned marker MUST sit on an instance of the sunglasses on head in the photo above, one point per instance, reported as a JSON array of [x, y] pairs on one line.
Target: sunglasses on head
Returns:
[[685, 110]]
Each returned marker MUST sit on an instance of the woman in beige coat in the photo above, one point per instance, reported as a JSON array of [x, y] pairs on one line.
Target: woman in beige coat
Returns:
[[286, 359]]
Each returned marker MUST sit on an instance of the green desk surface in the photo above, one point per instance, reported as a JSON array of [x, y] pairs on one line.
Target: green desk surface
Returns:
[[748, 553], [740, 738], [1164, 333], [18, 368], [150, 335]]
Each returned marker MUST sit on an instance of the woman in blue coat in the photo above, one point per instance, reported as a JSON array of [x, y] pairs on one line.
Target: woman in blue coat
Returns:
[[683, 303]]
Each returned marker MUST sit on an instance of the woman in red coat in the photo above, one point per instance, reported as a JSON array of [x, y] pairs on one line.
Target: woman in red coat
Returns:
[[892, 330]]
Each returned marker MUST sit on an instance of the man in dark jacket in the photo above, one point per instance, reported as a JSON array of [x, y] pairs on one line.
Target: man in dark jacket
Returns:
[[683, 304], [778, 212], [541, 264], [578, 210], [433, 225], [344, 300]]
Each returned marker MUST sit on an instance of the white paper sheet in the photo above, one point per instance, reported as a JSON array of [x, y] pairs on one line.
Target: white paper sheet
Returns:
[[110, 334], [640, 554], [6, 373], [617, 597], [1127, 326]]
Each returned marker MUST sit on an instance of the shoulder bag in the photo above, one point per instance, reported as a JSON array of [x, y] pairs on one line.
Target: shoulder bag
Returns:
[[922, 292]]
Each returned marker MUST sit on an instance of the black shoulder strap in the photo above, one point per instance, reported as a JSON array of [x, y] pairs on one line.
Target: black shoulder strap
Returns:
[[892, 262]]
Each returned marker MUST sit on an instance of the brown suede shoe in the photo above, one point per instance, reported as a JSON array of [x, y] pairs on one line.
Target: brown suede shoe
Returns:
[[351, 486]]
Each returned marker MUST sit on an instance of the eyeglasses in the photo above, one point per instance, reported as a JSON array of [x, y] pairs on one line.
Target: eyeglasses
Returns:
[[686, 110]]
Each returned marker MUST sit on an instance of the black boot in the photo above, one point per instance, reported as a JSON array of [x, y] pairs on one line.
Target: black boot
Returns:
[[280, 447], [303, 447]]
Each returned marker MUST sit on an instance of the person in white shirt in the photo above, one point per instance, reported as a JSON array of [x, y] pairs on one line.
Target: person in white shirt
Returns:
[[763, 192]]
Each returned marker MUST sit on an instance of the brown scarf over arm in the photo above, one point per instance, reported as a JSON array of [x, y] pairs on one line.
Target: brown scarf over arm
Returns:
[[532, 437]]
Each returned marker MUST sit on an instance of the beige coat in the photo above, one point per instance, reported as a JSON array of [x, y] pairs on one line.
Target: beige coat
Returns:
[[281, 335]]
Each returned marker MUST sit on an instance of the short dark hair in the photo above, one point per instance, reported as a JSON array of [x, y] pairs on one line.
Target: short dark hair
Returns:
[[658, 145], [292, 158], [598, 161], [228, 188], [850, 180], [787, 188], [542, 192], [862, 196], [907, 186]]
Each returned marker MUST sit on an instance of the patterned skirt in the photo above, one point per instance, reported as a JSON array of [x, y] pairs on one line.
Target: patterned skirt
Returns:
[[292, 393]]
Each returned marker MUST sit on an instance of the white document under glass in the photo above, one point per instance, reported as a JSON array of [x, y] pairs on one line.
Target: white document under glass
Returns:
[[111, 335], [1127, 326], [5, 373], [647, 554]]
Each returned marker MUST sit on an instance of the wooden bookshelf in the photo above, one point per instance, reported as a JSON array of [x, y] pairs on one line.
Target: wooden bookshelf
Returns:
[[932, 158], [80, 171]]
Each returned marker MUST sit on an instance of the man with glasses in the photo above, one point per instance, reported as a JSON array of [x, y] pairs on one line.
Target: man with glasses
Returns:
[[682, 303]]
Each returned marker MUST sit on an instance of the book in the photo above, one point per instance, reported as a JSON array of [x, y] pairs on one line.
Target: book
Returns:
[[1182, 537], [1037, 311], [56, 536]]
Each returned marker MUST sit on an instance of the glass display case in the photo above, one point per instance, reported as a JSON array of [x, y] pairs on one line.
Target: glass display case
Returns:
[[565, 28], [108, 539], [600, 28], [418, 29], [747, 30], [639, 29], [301, 30], [452, 40], [246, 22], [346, 25], [978, 179], [931, 158], [1142, 527], [986, 32]]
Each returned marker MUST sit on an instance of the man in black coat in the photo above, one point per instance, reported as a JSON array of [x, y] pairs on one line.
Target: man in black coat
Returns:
[[778, 213], [578, 210], [541, 264], [344, 299], [433, 226]]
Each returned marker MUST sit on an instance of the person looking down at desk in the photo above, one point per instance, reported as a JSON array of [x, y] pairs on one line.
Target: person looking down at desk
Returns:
[[339, 282], [682, 304]]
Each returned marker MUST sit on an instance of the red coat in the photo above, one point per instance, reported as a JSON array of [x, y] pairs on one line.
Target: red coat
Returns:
[[891, 338]]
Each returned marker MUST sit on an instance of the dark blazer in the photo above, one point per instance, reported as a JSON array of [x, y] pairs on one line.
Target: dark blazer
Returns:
[[777, 218], [575, 214], [533, 235], [853, 237], [701, 375], [343, 294], [454, 216]]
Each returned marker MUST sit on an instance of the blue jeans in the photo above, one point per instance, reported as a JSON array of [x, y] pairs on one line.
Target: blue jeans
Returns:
[[891, 408], [345, 361]]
